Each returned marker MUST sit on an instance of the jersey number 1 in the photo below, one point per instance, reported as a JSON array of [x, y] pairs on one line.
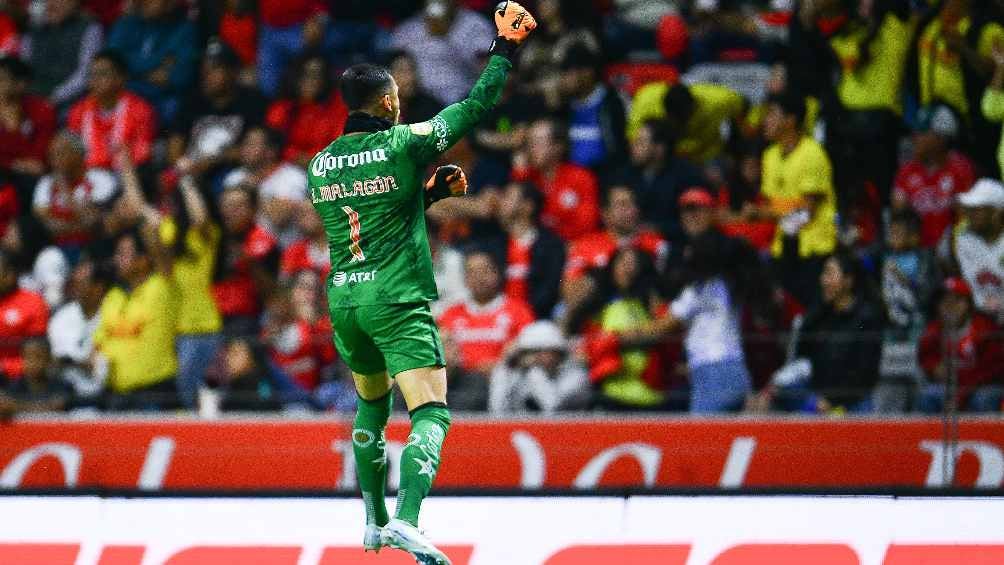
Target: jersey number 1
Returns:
[[354, 228]]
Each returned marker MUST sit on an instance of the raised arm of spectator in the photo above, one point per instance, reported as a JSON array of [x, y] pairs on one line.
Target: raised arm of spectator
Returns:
[[195, 204], [139, 209]]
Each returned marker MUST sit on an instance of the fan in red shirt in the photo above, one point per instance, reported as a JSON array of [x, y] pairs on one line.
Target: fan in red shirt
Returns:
[[312, 114], [930, 181], [571, 194], [311, 252], [110, 117], [621, 218], [974, 352], [484, 324], [23, 315], [28, 123], [247, 262], [298, 336]]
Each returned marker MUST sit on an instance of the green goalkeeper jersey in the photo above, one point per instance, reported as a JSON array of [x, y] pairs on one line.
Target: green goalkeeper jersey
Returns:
[[369, 191]]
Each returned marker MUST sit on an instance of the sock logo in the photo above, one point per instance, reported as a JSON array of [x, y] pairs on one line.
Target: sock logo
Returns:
[[363, 438]]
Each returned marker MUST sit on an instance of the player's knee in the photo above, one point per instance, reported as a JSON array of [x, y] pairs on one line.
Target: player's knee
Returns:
[[434, 412]]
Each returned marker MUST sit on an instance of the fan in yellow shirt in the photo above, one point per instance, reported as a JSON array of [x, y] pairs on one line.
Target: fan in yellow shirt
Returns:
[[137, 330], [193, 240], [993, 100], [945, 47], [702, 107], [797, 182]]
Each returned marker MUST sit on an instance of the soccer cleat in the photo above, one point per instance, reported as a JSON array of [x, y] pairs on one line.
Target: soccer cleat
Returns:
[[373, 538], [402, 535]]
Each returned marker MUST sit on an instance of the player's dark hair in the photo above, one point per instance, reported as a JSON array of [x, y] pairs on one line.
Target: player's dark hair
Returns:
[[115, 59], [362, 84], [908, 218], [530, 191], [791, 104]]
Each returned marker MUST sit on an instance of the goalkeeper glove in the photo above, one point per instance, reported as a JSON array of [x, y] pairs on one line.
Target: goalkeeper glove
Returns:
[[447, 181], [514, 23]]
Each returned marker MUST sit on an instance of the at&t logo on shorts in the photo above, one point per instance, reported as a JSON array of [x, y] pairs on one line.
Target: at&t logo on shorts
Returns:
[[341, 278]]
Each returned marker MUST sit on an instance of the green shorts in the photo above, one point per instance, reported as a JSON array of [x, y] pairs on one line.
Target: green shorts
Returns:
[[387, 337]]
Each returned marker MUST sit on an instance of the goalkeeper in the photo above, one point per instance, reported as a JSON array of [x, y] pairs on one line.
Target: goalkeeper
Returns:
[[367, 187]]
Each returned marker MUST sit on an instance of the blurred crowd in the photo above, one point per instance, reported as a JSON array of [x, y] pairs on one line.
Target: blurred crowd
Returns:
[[710, 206]]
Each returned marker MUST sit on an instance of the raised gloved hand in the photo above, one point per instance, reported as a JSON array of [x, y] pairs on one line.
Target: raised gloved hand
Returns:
[[514, 24], [447, 181]]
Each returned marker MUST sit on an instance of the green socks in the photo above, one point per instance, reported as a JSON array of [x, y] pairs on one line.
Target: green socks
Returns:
[[420, 458], [369, 447]]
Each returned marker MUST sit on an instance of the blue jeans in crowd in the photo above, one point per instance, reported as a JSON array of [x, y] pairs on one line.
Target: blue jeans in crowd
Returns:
[[719, 387], [195, 353]]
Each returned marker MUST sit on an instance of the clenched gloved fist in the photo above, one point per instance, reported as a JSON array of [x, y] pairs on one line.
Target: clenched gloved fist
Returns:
[[447, 181], [514, 24]]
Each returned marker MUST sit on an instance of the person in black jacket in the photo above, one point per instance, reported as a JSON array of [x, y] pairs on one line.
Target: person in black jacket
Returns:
[[839, 346], [534, 256]]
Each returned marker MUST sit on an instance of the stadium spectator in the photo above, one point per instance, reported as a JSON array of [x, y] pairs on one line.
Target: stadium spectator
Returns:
[[310, 253], [417, 105], [622, 229], [871, 49], [73, 325], [910, 276], [287, 27], [466, 389], [192, 239], [954, 46], [291, 335], [535, 257], [627, 378], [213, 120], [110, 118], [448, 269], [48, 276], [69, 200], [571, 194], [595, 112], [992, 104], [963, 346], [797, 183], [632, 24], [658, 177], [699, 111], [137, 329], [60, 51], [539, 374], [246, 264], [485, 323], [238, 29], [23, 315], [243, 378], [707, 310], [281, 186], [931, 180], [311, 113], [437, 39], [27, 122], [838, 349], [40, 388], [160, 48], [978, 248], [697, 218]]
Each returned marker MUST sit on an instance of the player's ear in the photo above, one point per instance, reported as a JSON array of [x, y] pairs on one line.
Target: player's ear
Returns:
[[387, 103]]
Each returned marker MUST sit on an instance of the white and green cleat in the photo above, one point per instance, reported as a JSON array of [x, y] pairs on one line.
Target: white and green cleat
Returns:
[[373, 538], [402, 535]]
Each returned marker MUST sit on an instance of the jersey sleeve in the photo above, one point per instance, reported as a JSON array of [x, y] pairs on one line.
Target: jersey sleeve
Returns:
[[426, 140]]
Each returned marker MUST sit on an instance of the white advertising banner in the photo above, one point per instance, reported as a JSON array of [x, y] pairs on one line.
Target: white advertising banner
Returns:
[[506, 531]]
